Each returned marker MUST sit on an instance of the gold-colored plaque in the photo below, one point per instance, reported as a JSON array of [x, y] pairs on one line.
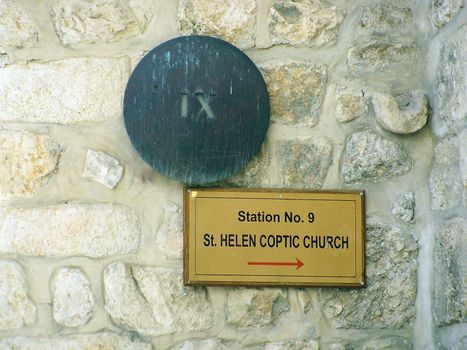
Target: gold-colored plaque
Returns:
[[274, 237]]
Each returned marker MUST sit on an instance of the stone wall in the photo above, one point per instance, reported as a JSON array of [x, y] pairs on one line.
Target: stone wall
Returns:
[[364, 95]]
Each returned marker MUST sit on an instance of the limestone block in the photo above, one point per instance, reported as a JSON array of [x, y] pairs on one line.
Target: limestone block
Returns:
[[445, 179], [255, 174], [79, 22], [296, 90], [27, 163], [304, 23], [255, 308], [442, 11], [388, 301], [369, 157], [102, 340], [301, 344], [450, 299], [404, 209], [153, 301], [351, 103], [92, 230], [169, 236], [405, 120], [304, 162], [451, 91], [381, 56], [232, 21], [16, 309], [69, 91], [386, 17], [72, 297], [17, 29], [102, 168]]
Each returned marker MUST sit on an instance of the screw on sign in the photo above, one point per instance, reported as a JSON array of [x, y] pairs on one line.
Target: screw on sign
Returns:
[[196, 109]]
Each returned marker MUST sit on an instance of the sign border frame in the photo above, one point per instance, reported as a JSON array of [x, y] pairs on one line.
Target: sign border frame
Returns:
[[186, 240]]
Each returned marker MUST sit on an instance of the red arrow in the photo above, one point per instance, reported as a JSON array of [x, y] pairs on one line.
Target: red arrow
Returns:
[[298, 263]]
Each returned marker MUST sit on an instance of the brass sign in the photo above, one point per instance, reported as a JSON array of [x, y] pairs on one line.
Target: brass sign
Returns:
[[274, 237]]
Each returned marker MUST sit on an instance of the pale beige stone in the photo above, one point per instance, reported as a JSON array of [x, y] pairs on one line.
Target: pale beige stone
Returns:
[[388, 300], [304, 23], [153, 301], [103, 341], [382, 56], [93, 230], [70, 91], [102, 168], [27, 162], [80, 22], [233, 21], [72, 297], [405, 120], [304, 162], [296, 90], [169, 236], [370, 157], [443, 11], [206, 344], [4, 58], [450, 297], [386, 17], [445, 178], [251, 307], [451, 91], [351, 103], [16, 309], [17, 29]]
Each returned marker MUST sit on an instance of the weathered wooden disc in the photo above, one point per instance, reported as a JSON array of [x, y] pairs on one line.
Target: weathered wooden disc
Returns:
[[196, 109]]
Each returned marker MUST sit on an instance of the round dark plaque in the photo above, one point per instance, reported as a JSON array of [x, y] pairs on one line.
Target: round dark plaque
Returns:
[[196, 109]]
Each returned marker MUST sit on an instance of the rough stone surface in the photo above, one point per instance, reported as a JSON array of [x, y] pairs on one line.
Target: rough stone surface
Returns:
[[70, 91], [255, 308], [72, 297], [103, 340], [304, 162], [102, 168], [293, 103], [87, 22], [169, 236], [383, 343], [16, 309], [463, 161], [207, 344], [386, 17], [404, 209], [304, 23], [401, 120], [442, 11], [93, 230], [445, 178], [451, 92], [381, 56], [302, 344], [369, 157], [233, 21], [153, 301], [388, 301], [255, 173], [450, 301], [17, 29], [27, 162], [350, 103]]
